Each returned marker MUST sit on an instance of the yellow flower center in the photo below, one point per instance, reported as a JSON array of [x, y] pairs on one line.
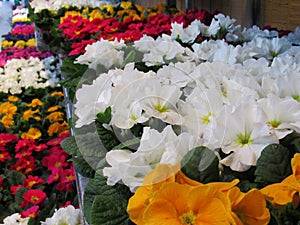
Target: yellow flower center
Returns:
[[205, 119], [296, 97], [275, 123], [187, 218], [160, 108], [34, 198], [244, 139]]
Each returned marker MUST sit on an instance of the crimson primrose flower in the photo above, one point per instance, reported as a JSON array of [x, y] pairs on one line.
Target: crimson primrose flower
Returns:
[[7, 138], [32, 181], [14, 189], [79, 48], [4, 156], [25, 165], [34, 197], [31, 212], [54, 161]]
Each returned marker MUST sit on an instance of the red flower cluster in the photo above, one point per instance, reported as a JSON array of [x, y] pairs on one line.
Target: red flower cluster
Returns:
[[84, 31], [44, 168], [61, 170]]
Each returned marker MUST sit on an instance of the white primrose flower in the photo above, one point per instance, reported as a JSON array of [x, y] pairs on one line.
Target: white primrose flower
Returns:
[[111, 54], [268, 48], [159, 51], [199, 111], [285, 85], [283, 114], [225, 22], [242, 134], [92, 99], [211, 30], [177, 74], [68, 215], [160, 101], [186, 35], [54, 5], [15, 219], [294, 37], [155, 148]]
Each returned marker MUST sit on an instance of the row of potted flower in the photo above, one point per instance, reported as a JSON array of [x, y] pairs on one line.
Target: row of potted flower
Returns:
[[37, 179], [198, 111]]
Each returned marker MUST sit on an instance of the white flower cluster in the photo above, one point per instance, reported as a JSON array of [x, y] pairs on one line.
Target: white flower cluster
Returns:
[[18, 74], [239, 99], [68, 215], [55, 5], [15, 219]]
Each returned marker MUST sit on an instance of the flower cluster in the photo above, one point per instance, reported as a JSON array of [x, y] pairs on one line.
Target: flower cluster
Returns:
[[220, 100], [168, 195], [123, 22], [29, 186], [53, 5], [20, 74]]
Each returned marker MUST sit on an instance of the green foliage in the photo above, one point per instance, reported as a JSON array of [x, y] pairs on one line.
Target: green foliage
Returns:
[[70, 146], [201, 164], [273, 165], [105, 204]]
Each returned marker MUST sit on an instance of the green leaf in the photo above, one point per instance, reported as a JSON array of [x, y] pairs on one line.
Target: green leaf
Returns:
[[278, 217], [273, 165], [109, 203], [81, 166], [104, 117], [15, 178], [130, 144], [292, 141], [130, 57], [201, 164], [70, 146], [292, 212], [108, 138], [109, 211]]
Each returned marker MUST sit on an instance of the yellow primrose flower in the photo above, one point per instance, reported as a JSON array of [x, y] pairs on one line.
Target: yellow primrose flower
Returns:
[[58, 128], [7, 121], [55, 116], [8, 108], [95, 14], [279, 194], [31, 42], [248, 208], [69, 13], [29, 113], [6, 44], [179, 204], [20, 44], [54, 108], [57, 93], [13, 98], [32, 133], [126, 5], [35, 102]]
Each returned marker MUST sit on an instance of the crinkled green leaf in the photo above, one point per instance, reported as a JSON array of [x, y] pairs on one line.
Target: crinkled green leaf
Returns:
[[293, 212], [15, 178], [278, 217], [109, 211], [70, 146], [131, 144], [273, 165], [109, 203], [104, 117], [81, 166], [201, 164], [292, 141], [108, 138]]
